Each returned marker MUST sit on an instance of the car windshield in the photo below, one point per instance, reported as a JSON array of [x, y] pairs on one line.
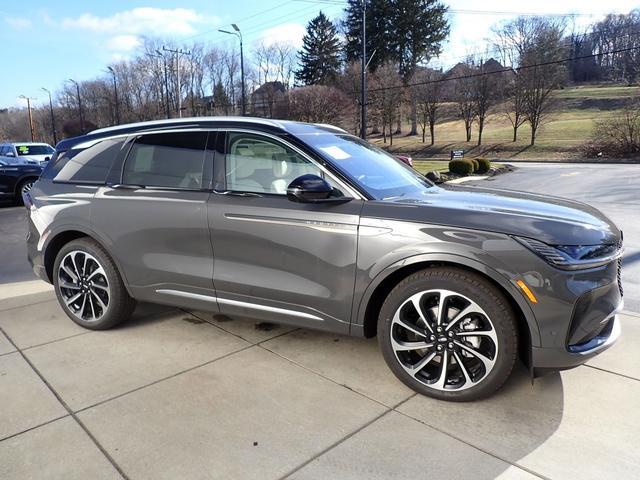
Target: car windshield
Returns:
[[34, 150], [373, 169]]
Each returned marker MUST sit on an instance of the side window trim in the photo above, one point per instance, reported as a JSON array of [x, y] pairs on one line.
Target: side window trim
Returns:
[[348, 190], [130, 143]]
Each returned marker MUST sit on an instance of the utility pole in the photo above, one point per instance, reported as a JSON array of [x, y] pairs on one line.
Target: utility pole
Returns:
[[79, 105], [178, 53], [363, 74], [53, 119], [238, 34], [159, 54], [115, 91], [31, 125]]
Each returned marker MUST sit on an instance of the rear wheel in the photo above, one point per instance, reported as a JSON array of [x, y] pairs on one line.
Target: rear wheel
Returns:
[[89, 287], [449, 334]]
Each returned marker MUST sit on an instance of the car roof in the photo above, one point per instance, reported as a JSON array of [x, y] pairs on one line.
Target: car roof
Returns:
[[263, 124]]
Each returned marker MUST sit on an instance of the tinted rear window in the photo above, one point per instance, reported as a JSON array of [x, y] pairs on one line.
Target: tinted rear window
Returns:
[[90, 165], [172, 160]]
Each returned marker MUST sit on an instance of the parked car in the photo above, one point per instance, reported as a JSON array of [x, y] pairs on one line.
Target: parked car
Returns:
[[28, 152], [16, 178], [309, 226], [405, 159]]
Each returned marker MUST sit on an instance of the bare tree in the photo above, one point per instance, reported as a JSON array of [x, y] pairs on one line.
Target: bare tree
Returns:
[[462, 92], [428, 97], [486, 91], [316, 103], [538, 44], [387, 93]]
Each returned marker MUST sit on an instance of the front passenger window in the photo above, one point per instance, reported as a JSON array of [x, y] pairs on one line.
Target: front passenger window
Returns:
[[173, 160], [259, 164]]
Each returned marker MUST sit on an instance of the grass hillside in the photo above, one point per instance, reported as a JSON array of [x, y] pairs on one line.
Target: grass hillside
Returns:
[[569, 125]]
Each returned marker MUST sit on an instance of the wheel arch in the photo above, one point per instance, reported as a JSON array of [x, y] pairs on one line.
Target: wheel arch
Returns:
[[381, 286], [61, 238], [21, 180]]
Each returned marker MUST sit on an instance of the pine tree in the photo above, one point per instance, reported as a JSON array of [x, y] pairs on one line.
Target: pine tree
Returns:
[[320, 54], [379, 18]]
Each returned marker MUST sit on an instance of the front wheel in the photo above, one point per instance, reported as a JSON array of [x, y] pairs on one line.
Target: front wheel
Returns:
[[89, 287], [449, 334]]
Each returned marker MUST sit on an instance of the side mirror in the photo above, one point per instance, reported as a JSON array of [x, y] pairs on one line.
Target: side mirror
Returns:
[[312, 189], [9, 154]]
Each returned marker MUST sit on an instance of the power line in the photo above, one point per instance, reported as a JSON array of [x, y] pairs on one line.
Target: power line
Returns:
[[506, 70]]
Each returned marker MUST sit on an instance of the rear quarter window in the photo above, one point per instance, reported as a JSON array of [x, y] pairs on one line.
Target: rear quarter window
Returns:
[[90, 165]]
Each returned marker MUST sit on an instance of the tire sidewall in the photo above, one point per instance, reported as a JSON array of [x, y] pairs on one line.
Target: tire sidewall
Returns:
[[475, 288], [111, 316]]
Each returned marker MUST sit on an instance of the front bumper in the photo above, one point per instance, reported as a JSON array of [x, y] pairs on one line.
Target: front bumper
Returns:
[[553, 359], [577, 317]]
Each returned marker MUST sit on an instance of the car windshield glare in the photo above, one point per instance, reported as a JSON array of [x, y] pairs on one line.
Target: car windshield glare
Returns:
[[378, 173]]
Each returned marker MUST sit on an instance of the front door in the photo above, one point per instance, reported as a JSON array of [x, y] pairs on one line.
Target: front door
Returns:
[[275, 259]]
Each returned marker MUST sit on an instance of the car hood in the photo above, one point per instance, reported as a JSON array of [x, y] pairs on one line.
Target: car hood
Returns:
[[553, 220]]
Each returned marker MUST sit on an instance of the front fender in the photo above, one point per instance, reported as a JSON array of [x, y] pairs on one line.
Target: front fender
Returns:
[[507, 284]]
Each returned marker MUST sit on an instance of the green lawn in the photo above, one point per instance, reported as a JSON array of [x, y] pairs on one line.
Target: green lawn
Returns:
[[568, 126]]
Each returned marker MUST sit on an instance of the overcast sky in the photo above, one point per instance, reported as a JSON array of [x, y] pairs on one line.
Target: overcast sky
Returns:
[[46, 42]]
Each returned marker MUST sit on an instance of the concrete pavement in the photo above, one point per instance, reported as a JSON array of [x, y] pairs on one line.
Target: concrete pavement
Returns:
[[176, 394]]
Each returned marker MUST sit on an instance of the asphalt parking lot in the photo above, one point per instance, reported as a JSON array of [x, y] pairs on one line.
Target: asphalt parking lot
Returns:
[[185, 394]]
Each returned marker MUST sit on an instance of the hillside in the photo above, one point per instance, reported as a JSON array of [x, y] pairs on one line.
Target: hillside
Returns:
[[570, 124]]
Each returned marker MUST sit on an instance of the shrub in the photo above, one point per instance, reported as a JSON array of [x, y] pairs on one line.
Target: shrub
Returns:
[[461, 167], [484, 165], [476, 165]]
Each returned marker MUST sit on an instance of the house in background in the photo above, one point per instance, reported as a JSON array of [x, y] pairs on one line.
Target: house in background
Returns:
[[268, 99]]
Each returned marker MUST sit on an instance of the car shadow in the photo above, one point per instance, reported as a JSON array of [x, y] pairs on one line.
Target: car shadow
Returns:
[[511, 424]]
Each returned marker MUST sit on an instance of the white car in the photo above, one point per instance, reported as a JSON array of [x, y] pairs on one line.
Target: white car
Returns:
[[27, 152]]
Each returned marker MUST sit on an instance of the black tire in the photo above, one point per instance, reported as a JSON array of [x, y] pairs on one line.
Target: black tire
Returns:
[[21, 186], [469, 286], [119, 305]]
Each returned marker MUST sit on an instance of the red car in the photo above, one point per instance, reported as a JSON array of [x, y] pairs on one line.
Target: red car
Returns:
[[405, 159]]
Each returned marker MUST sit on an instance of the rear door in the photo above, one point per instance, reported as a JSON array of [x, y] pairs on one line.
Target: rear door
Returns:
[[274, 258], [154, 216]]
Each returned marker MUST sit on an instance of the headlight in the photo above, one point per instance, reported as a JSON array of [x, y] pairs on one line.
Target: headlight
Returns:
[[573, 257]]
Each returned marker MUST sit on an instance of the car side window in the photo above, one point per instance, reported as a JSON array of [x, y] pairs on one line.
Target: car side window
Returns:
[[173, 160], [90, 165], [262, 165]]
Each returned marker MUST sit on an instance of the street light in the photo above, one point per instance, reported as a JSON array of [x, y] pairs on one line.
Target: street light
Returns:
[[238, 34], [53, 119], [115, 91], [79, 105], [31, 126]]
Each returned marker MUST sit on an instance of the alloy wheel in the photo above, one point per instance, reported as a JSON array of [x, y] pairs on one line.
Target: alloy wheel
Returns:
[[84, 285], [444, 340], [26, 187]]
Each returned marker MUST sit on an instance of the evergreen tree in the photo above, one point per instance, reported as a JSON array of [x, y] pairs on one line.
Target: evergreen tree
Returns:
[[320, 54], [379, 18], [405, 32], [221, 101]]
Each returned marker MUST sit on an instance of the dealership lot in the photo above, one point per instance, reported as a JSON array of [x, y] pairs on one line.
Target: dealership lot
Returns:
[[186, 394]]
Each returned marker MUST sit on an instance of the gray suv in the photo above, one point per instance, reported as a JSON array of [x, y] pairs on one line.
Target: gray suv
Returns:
[[309, 226]]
